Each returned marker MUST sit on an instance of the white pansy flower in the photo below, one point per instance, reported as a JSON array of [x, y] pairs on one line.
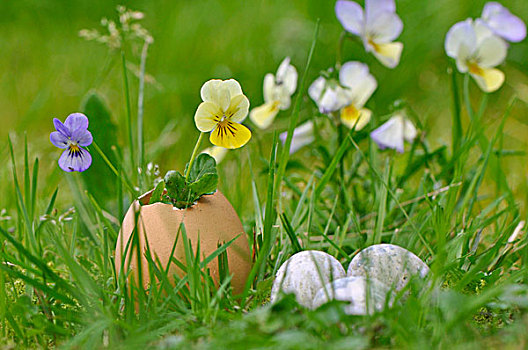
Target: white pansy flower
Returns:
[[302, 136], [278, 90], [377, 26], [349, 95], [477, 51], [394, 132]]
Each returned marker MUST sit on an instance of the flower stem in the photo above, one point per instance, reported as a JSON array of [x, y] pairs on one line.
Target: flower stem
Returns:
[[339, 52], [194, 154], [129, 115], [141, 146]]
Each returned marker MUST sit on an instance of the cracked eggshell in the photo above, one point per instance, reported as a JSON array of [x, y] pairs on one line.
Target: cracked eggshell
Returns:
[[211, 221], [299, 275], [354, 291], [388, 263]]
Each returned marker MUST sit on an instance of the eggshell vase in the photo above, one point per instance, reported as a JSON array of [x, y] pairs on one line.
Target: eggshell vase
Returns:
[[304, 273], [211, 221], [388, 263]]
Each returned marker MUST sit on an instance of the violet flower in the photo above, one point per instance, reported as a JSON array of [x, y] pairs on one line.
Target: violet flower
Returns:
[[72, 136]]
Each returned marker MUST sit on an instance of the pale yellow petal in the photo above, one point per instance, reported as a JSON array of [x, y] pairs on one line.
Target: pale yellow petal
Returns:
[[207, 116], [388, 54], [263, 116], [238, 108], [489, 79], [354, 118], [233, 87], [230, 135], [217, 92]]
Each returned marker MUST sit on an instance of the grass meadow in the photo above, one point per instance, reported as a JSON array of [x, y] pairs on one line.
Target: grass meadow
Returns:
[[457, 197]]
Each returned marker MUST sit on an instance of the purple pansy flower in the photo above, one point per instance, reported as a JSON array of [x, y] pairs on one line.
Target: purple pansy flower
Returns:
[[72, 136], [503, 23]]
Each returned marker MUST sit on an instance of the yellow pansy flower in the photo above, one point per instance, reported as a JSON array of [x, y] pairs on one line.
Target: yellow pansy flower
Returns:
[[223, 108]]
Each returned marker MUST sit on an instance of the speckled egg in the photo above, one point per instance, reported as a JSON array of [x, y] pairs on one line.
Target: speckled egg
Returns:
[[304, 274], [388, 263], [354, 291]]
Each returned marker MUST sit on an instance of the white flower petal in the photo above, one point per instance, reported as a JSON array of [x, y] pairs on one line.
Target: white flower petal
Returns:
[[352, 72], [409, 131], [491, 52], [461, 32], [361, 83], [302, 136], [384, 28], [373, 8], [287, 76], [269, 88], [390, 134], [482, 31], [214, 91], [350, 14], [316, 89]]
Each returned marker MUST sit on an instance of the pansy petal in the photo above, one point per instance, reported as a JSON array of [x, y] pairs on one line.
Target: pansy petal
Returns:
[[373, 8], [350, 14], [78, 160], [59, 140], [214, 91], [390, 134], [503, 22], [461, 32], [233, 87], [384, 28], [76, 121], [352, 72], [409, 131], [302, 136], [491, 52], [362, 84], [207, 116], [316, 89], [61, 127], [263, 116], [287, 76], [388, 54], [238, 108], [269, 87], [354, 118], [231, 135], [329, 101], [83, 137], [489, 79]]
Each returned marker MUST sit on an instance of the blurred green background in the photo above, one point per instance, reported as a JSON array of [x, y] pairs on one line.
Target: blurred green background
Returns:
[[46, 68]]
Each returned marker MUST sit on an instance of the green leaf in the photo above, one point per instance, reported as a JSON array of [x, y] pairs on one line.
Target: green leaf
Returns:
[[175, 184], [206, 184], [104, 132], [157, 193], [203, 164]]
